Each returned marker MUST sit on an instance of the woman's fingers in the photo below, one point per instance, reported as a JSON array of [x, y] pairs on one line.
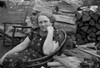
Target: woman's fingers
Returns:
[[50, 29], [56, 45]]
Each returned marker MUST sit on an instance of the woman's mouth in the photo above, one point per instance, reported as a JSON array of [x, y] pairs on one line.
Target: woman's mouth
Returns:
[[44, 28]]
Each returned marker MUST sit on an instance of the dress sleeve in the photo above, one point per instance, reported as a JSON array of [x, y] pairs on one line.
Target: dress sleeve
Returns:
[[60, 36]]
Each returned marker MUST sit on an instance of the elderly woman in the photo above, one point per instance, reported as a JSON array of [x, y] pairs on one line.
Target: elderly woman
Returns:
[[43, 40]]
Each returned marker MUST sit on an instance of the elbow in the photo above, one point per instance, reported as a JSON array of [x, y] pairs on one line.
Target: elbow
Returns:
[[46, 53]]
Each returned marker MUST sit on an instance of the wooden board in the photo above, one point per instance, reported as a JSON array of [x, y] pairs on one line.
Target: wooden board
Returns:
[[66, 19]]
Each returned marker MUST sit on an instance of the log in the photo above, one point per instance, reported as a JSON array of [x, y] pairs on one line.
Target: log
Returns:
[[98, 38], [93, 29], [89, 31], [93, 15], [98, 33], [84, 28], [65, 61], [92, 35], [88, 28], [92, 22], [89, 52], [97, 26], [85, 16], [80, 24]]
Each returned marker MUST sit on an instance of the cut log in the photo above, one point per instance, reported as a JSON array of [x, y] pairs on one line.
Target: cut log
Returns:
[[93, 29], [84, 28], [80, 24], [98, 33], [88, 37], [86, 23], [85, 16], [92, 35], [83, 34], [85, 40], [78, 35], [94, 15], [92, 22], [97, 25], [89, 31], [98, 38], [88, 28]]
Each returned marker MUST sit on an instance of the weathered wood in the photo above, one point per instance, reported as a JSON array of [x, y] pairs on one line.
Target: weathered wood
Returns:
[[89, 26], [98, 33], [98, 38], [82, 33], [80, 24], [92, 35], [97, 25], [85, 16], [89, 31], [92, 22], [54, 64], [93, 29], [66, 19], [89, 52], [93, 15], [84, 28], [65, 61], [88, 37]]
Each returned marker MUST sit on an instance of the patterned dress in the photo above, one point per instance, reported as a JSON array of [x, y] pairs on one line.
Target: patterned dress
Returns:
[[33, 51]]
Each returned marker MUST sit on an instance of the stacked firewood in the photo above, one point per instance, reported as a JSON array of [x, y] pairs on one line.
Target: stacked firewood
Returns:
[[88, 28]]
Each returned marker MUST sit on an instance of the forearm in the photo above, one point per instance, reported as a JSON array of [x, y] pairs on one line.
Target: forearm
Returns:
[[48, 44], [9, 52], [14, 50], [19, 47]]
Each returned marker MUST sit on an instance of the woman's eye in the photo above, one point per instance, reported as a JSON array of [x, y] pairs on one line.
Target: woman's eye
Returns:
[[40, 22], [45, 21]]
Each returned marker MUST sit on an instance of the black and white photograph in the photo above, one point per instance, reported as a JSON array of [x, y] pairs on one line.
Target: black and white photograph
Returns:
[[49, 33]]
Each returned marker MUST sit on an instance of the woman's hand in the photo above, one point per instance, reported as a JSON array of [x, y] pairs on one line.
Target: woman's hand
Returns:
[[50, 29], [56, 45]]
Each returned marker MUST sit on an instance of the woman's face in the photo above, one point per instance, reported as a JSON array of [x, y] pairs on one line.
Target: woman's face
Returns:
[[44, 22]]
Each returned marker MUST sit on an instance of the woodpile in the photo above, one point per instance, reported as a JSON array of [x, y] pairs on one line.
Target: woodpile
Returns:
[[88, 28]]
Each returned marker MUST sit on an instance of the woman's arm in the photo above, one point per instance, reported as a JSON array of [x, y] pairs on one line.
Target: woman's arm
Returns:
[[49, 45], [21, 46], [18, 48]]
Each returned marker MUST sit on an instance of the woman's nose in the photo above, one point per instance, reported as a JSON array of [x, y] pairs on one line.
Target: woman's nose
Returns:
[[43, 23]]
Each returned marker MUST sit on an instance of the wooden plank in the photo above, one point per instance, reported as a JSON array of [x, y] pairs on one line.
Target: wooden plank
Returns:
[[89, 52], [65, 26], [54, 64], [65, 61], [66, 19]]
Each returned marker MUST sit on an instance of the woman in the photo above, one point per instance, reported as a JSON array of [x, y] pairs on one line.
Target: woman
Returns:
[[40, 42]]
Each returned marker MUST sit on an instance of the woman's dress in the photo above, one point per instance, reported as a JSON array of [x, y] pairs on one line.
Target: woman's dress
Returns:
[[33, 51]]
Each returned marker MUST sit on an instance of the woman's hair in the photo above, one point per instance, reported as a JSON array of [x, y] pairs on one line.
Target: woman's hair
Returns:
[[47, 14]]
